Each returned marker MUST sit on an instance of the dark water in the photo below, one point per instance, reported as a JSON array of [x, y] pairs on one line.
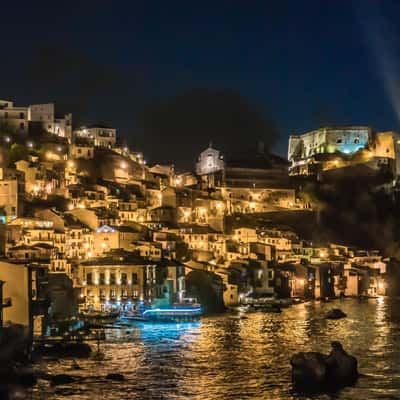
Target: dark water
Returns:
[[229, 357]]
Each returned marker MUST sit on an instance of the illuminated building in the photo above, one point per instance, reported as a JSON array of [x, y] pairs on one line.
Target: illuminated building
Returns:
[[330, 148], [99, 135], [9, 197], [84, 151], [45, 116], [121, 280]]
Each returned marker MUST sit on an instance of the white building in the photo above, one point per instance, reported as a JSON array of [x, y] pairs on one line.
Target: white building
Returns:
[[99, 135], [209, 161], [46, 116]]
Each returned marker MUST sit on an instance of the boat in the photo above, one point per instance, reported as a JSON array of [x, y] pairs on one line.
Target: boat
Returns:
[[100, 319], [177, 312]]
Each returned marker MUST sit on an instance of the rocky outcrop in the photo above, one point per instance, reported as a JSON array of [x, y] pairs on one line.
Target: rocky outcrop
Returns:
[[62, 379], [115, 377], [64, 350], [318, 372], [335, 313]]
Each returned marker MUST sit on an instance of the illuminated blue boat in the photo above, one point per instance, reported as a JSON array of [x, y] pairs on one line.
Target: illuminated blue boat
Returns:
[[176, 313]]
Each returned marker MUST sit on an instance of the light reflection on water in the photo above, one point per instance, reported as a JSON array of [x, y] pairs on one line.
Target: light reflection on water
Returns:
[[241, 357]]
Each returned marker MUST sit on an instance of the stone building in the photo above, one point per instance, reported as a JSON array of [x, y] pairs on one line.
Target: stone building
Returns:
[[45, 116], [99, 135], [325, 140], [13, 119]]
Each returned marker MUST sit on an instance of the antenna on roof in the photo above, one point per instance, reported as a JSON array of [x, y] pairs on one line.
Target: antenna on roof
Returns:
[[210, 144]]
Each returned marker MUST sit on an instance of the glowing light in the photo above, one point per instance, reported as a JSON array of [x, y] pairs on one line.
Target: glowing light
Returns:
[[81, 205], [71, 164], [219, 206], [172, 310], [105, 229], [301, 282], [381, 285], [7, 139], [322, 254], [86, 245], [30, 144], [104, 245], [123, 165], [252, 205], [290, 203], [81, 295], [70, 206], [36, 188]]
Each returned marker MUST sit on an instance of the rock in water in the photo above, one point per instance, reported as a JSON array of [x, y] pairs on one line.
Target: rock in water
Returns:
[[335, 313], [342, 367], [26, 379], [308, 368], [318, 372], [115, 377], [62, 379]]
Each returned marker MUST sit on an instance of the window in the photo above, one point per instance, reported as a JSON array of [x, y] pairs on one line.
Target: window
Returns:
[[339, 141], [112, 293], [89, 278], [124, 279], [356, 141], [112, 278], [22, 125], [102, 293], [102, 278], [134, 278], [21, 115]]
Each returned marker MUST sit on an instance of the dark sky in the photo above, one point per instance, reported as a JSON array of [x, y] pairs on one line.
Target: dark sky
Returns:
[[303, 63]]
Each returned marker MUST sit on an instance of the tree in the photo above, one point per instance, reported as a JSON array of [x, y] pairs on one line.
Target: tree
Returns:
[[17, 152]]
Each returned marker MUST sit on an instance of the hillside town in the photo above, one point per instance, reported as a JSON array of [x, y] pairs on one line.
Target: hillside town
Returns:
[[89, 226]]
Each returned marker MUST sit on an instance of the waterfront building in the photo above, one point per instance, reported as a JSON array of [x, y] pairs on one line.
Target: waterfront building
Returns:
[[122, 280]]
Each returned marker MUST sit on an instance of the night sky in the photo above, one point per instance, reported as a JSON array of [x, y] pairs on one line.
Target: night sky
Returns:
[[283, 66]]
